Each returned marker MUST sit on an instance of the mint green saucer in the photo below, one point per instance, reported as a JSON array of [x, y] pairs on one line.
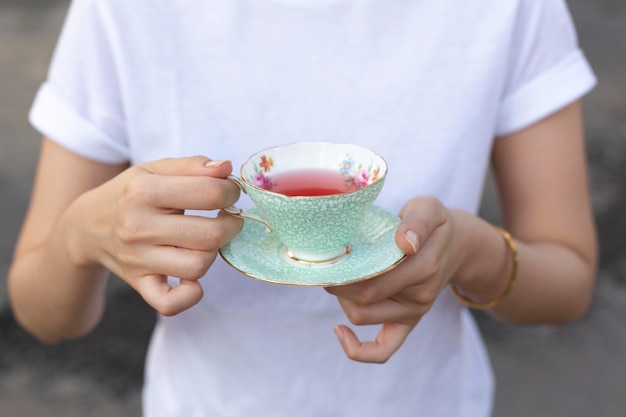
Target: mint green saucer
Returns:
[[371, 252]]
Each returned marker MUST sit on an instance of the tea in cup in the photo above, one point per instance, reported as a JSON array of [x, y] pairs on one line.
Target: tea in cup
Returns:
[[312, 195]]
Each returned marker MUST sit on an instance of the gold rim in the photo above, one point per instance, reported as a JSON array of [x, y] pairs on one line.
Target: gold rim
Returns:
[[347, 250]]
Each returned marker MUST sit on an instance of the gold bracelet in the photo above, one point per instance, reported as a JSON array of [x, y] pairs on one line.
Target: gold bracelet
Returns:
[[513, 249]]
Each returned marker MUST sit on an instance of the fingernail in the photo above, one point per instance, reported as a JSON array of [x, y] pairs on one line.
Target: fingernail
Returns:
[[338, 333], [411, 237], [214, 164]]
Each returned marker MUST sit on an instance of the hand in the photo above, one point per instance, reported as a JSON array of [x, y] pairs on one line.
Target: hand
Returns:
[[135, 225], [398, 299]]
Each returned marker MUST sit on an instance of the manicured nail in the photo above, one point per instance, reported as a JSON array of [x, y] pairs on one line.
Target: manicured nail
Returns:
[[339, 333], [411, 237], [214, 164]]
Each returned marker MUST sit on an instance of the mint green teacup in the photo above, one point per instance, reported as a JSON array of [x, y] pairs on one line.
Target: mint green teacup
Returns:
[[312, 195]]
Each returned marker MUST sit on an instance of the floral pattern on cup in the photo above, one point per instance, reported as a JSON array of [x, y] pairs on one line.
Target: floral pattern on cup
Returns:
[[356, 175], [260, 179]]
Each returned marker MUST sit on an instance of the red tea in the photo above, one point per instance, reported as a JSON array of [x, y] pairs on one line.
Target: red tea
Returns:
[[309, 183]]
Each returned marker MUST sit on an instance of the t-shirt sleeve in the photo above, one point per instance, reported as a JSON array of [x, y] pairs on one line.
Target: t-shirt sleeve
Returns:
[[79, 106], [547, 69]]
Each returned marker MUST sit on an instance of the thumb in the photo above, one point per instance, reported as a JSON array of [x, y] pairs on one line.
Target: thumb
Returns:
[[420, 217], [189, 166]]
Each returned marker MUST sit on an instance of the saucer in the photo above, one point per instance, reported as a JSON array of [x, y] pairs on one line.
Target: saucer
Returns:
[[372, 252]]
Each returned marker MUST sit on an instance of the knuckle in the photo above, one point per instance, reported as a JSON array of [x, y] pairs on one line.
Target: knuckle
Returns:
[[368, 295], [128, 230], [215, 193], [197, 266], [352, 353], [165, 307], [138, 189], [381, 360], [423, 306], [222, 193], [214, 237], [425, 298], [357, 316], [431, 202], [420, 225], [196, 160]]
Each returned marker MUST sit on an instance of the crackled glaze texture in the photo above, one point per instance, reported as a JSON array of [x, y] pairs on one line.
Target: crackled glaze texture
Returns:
[[313, 225], [310, 226]]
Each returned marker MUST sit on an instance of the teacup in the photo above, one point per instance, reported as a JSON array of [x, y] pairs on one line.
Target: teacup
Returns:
[[312, 195]]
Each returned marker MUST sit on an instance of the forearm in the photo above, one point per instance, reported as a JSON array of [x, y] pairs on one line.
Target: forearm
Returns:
[[51, 296], [554, 280]]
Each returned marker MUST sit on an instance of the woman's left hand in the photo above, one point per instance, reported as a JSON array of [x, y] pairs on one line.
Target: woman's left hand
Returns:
[[399, 298]]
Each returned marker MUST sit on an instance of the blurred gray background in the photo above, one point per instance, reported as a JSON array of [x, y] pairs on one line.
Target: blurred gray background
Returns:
[[574, 370]]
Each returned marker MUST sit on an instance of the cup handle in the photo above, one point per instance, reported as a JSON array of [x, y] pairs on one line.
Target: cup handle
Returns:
[[237, 212]]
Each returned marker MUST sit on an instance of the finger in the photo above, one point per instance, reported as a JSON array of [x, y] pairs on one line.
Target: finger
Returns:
[[167, 300], [412, 279], [192, 232], [182, 192], [207, 234], [176, 262], [189, 166], [388, 310], [387, 342], [420, 217], [378, 288]]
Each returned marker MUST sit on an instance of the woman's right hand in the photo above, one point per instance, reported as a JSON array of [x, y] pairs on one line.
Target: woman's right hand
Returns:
[[135, 225]]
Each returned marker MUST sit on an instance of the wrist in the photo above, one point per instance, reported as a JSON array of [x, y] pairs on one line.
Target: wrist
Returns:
[[466, 245], [488, 266], [512, 247], [74, 229]]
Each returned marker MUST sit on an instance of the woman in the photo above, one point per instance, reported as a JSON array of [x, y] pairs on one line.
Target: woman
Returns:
[[438, 88]]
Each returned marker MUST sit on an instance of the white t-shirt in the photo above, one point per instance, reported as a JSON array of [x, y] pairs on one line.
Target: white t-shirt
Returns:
[[427, 84]]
